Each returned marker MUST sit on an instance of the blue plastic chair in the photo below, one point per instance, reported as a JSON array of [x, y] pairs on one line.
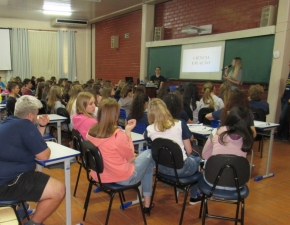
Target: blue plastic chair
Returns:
[[139, 128], [172, 88]]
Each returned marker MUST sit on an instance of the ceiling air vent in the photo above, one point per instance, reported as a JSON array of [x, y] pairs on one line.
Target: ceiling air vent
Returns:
[[68, 23]]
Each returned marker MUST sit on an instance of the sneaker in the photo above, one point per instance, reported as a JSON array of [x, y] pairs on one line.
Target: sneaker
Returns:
[[196, 200], [279, 138]]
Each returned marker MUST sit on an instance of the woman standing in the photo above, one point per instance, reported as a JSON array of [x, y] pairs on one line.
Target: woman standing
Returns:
[[235, 77]]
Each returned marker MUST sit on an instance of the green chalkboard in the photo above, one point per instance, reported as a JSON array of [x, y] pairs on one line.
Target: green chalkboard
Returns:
[[256, 53], [168, 58]]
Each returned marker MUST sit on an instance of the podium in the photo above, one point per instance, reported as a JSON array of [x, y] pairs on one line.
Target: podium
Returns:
[[151, 92]]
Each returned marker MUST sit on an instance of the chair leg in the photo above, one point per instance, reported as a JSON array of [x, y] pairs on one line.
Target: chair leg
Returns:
[[121, 194], [141, 205], [16, 214], [237, 212], [201, 206], [153, 192], [87, 200], [110, 206], [26, 213], [79, 173], [242, 211], [204, 211], [184, 204], [262, 146], [175, 194]]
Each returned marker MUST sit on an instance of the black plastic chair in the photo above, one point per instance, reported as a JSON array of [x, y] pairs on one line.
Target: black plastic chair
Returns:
[[260, 115], [168, 153], [63, 112], [225, 171], [201, 116], [77, 145], [93, 161], [13, 204]]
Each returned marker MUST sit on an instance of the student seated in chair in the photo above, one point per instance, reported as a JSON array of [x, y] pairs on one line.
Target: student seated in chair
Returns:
[[255, 98], [22, 142]]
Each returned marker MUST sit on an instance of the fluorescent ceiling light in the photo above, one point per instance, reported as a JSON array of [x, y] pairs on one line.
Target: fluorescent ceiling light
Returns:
[[56, 13], [57, 8]]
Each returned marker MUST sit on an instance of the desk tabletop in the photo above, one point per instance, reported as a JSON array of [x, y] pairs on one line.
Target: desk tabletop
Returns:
[[55, 117], [264, 125], [200, 129], [58, 152], [137, 137]]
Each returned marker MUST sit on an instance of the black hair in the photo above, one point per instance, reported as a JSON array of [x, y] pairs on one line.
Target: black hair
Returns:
[[26, 81], [238, 122], [157, 67], [137, 106], [11, 85], [173, 103], [190, 96]]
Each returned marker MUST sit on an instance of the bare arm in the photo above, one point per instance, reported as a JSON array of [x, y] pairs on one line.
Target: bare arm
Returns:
[[187, 146], [209, 116], [254, 131]]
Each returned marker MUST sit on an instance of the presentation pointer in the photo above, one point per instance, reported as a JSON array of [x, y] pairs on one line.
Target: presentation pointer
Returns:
[[229, 66]]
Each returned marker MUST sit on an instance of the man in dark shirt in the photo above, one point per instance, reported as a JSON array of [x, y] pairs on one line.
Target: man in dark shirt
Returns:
[[13, 89], [283, 130], [157, 79], [22, 142], [27, 87]]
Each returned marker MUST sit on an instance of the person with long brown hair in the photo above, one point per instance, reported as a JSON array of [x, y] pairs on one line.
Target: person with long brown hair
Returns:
[[120, 164], [238, 98], [163, 125], [235, 77], [46, 88], [84, 119], [54, 99], [209, 99], [225, 91], [138, 108]]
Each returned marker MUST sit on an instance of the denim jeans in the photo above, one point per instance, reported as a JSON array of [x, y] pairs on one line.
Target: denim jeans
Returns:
[[143, 172], [283, 129], [189, 168]]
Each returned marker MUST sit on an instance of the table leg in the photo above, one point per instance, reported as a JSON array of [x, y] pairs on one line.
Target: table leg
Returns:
[[68, 193], [267, 175], [58, 124], [39, 168]]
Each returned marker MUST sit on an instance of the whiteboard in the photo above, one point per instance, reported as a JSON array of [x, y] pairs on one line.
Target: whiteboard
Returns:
[[5, 53]]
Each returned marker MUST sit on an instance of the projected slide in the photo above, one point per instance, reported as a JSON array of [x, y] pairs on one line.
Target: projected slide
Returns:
[[202, 61]]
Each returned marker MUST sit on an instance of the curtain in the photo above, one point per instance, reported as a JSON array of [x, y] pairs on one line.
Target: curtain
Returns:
[[20, 54], [66, 55], [43, 53]]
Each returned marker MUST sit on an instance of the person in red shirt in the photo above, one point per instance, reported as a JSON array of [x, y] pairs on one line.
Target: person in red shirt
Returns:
[[27, 87]]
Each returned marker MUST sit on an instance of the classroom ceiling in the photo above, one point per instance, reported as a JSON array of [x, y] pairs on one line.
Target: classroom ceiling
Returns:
[[90, 10]]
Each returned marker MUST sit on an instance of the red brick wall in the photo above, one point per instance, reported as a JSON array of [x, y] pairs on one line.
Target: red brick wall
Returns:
[[116, 64], [224, 15]]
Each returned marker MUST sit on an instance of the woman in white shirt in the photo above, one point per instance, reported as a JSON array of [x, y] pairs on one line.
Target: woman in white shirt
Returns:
[[209, 99]]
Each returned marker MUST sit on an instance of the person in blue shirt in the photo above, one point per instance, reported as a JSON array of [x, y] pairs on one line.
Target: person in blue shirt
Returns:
[[22, 142], [2, 84], [255, 98], [283, 130]]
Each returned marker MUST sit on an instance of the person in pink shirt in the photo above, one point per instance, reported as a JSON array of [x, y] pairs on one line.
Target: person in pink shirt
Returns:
[[120, 163], [234, 136], [85, 108]]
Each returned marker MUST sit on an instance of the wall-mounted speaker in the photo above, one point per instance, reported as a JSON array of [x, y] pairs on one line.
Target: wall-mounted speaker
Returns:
[[158, 33], [269, 16], [114, 41]]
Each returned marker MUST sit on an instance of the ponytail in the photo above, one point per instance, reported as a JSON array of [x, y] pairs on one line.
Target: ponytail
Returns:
[[207, 89]]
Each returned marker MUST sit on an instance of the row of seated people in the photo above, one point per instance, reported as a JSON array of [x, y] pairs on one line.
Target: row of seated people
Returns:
[[108, 137]]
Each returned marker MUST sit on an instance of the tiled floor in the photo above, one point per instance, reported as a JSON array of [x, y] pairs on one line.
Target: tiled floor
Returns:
[[268, 202]]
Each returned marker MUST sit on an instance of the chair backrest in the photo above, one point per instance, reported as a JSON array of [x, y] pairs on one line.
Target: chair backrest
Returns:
[[77, 140], [139, 128], [43, 110], [93, 157], [201, 115], [122, 114], [167, 153], [259, 114], [225, 166], [63, 112]]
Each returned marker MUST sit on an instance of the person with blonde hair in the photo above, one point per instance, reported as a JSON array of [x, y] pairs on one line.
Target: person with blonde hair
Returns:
[[255, 98], [120, 163], [235, 77], [120, 85], [73, 93], [85, 107], [225, 91], [209, 99], [54, 99], [163, 125]]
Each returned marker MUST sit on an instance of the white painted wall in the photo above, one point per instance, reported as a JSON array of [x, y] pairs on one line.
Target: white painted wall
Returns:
[[83, 43]]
